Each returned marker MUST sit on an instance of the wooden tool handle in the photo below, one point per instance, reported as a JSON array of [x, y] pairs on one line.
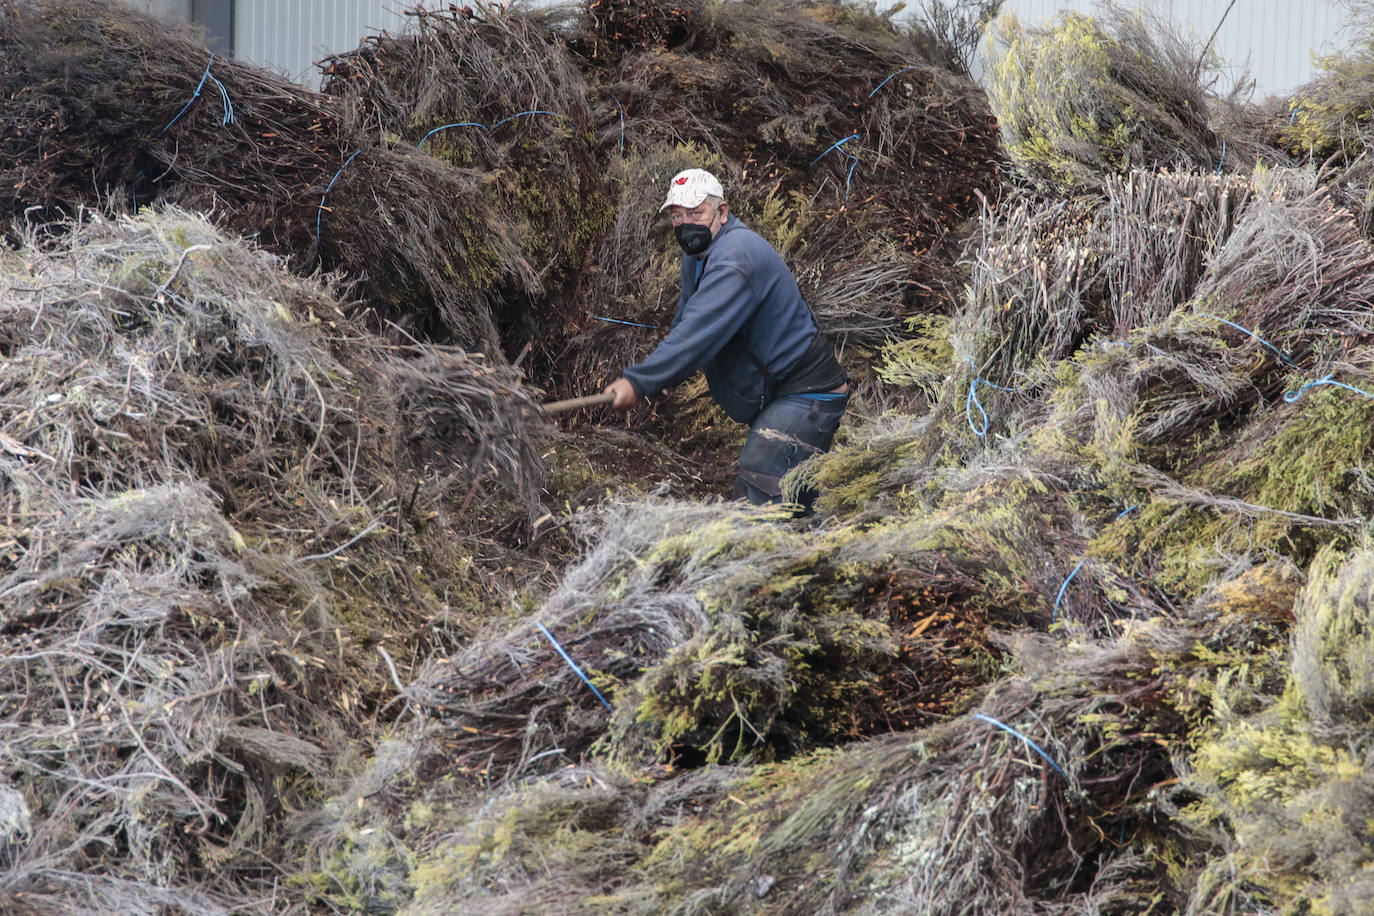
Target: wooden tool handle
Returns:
[[591, 400]]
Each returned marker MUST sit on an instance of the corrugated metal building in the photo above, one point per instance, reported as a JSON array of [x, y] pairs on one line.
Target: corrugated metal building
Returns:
[[1273, 39], [287, 36]]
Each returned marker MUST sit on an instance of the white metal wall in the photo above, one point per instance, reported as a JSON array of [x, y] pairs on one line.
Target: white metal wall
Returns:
[[290, 35], [1273, 39], [176, 9]]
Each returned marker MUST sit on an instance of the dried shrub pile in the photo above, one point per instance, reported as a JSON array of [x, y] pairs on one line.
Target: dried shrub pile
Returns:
[[1143, 484], [104, 107], [495, 92], [842, 136], [490, 177], [1089, 634], [202, 502], [1328, 120], [961, 817]]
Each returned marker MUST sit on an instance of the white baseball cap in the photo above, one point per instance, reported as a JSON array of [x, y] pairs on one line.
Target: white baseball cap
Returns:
[[690, 187]]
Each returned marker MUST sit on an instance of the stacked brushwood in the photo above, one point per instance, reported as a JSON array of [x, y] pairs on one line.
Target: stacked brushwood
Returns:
[[202, 460], [104, 107], [490, 177], [1182, 734], [1143, 482], [585, 116], [1044, 799], [1090, 634]]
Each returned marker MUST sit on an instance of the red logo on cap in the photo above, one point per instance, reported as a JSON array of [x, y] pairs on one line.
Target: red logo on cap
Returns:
[[680, 181]]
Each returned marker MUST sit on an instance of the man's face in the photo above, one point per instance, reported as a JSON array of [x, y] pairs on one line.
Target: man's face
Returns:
[[703, 214]]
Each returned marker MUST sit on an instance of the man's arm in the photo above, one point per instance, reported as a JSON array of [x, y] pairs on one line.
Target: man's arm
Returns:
[[714, 314]]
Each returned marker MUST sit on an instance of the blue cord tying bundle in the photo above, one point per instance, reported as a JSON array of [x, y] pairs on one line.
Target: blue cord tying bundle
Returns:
[[446, 127], [633, 324], [1060, 596], [223, 94], [853, 160], [572, 664], [885, 82], [1277, 352], [320, 212], [972, 401], [521, 114], [622, 124], [1029, 743], [1291, 396]]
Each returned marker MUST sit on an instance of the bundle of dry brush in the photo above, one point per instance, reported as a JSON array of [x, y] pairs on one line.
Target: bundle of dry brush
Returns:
[[207, 476]]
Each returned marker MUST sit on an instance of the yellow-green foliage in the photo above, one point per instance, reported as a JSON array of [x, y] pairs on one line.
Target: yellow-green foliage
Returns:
[[1335, 113], [1088, 96], [1029, 90], [571, 832], [794, 643], [1333, 646], [1292, 782], [1310, 460], [921, 360], [1305, 459], [783, 219], [784, 818], [787, 656]]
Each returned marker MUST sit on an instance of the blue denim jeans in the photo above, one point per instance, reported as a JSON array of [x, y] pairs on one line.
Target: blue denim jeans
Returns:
[[785, 433]]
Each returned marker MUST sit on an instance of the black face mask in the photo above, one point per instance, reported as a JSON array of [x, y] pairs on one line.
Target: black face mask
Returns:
[[694, 239]]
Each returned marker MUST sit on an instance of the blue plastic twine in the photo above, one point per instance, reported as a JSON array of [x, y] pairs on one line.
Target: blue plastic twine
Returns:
[[884, 82], [853, 160], [1279, 353], [834, 146], [1029, 743], [446, 127], [972, 401], [320, 212], [1223, 157], [195, 95], [572, 664], [633, 324], [1060, 597], [622, 124], [1291, 396], [224, 99], [520, 114], [524, 114]]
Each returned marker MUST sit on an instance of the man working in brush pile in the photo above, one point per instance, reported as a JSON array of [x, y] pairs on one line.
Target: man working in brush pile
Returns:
[[742, 319]]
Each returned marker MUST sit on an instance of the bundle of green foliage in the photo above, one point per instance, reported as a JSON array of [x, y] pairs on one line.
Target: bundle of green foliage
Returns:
[[1329, 119], [1197, 373], [715, 633], [1282, 775], [1054, 794], [1089, 96]]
